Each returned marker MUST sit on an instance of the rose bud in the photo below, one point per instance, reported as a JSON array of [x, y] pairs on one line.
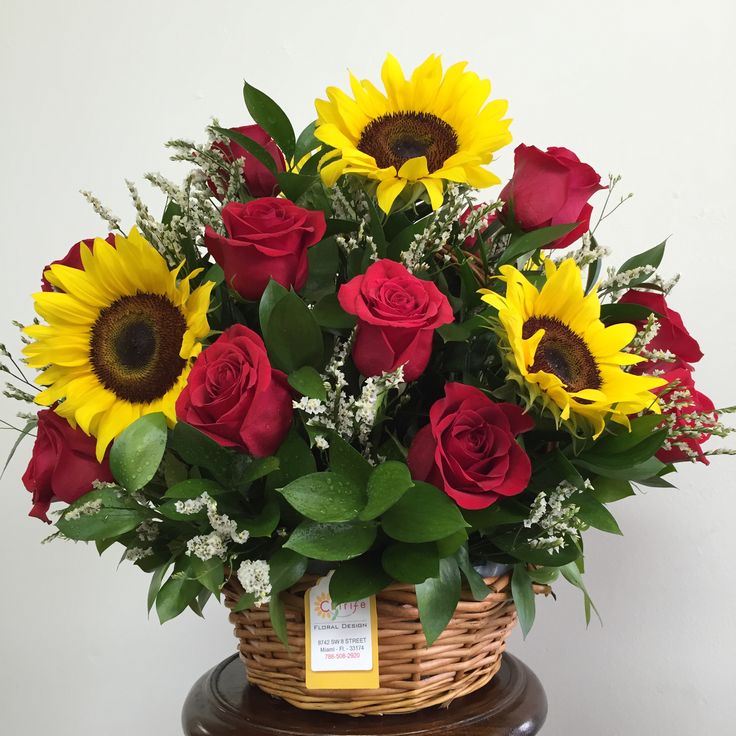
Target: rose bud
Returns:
[[267, 239], [260, 181], [235, 397], [397, 316], [672, 335], [550, 188], [63, 465], [469, 448]]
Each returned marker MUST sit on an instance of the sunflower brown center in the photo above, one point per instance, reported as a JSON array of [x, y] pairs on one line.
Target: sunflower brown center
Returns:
[[563, 353], [395, 138], [135, 345]]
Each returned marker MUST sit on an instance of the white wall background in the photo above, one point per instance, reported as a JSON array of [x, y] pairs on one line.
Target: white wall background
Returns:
[[91, 90]]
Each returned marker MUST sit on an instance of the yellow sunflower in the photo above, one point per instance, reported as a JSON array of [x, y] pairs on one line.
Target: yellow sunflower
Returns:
[[557, 348], [424, 130], [119, 339]]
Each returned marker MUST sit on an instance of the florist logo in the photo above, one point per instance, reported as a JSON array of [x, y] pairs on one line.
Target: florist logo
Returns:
[[323, 608]]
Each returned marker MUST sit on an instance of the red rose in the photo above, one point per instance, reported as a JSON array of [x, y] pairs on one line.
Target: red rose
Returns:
[[235, 396], [397, 316], [63, 465], [268, 239], [471, 240], [671, 336], [73, 259], [258, 178], [680, 402], [469, 448], [551, 188]]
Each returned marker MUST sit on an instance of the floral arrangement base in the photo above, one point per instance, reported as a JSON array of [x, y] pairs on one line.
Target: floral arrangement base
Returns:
[[413, 676]]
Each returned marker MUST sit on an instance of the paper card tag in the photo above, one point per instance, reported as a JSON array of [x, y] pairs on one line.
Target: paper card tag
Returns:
[[341, 644]]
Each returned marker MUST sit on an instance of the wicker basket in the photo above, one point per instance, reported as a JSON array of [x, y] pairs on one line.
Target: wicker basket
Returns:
[[413, 676]]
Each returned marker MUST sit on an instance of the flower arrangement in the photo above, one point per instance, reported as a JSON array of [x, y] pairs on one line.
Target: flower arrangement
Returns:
[[329, 350]]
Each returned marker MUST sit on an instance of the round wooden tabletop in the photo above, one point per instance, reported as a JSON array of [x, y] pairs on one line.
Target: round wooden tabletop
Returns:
[[221, 703]]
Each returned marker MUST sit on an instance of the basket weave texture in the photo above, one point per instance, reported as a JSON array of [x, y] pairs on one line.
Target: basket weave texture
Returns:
[[412, 676]]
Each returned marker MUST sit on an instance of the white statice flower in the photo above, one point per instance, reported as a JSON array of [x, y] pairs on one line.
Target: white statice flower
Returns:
[[615, 283], [478, 220], [586, 254], [254, 576], [147, 531], [133, 554], [207, 546], [555, 515], [320, 441], [85, 509], [433, 239], [349, 416], [192, 506], [224, 529]]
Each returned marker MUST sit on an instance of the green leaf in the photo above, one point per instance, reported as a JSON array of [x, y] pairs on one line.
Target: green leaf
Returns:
[[594, 513], [118, 514], [291, 334], [534, 240], [347, 461], [196, 448], [450, 545], [625, 312], [331, 542], [477, 585], [652, 257], [137, 451], [306, 142], [176, 593], [247, 600], [295, 460], [405, 237], [258, 467], [602, 466], [411, 563], [642, 430], [155, 584], [386, 485], [608, 490], [308, 382], [572, 574], [30, 426], [278, 619], [255, 149], [331, 315], [356, 579], [211, 573], [498, 514], [294, 185], [437, 599], [515, 542], [462, 331], [215, 274], [544, 575], [523, 594], [266, 521], [175, 471], [656, 482], [422, 514], [271, 118], [272, 295], [192, 488], [325, 497], [286, 567], [324, 265]]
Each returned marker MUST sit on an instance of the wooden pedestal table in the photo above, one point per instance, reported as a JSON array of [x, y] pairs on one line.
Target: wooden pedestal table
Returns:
[[221, 703]]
